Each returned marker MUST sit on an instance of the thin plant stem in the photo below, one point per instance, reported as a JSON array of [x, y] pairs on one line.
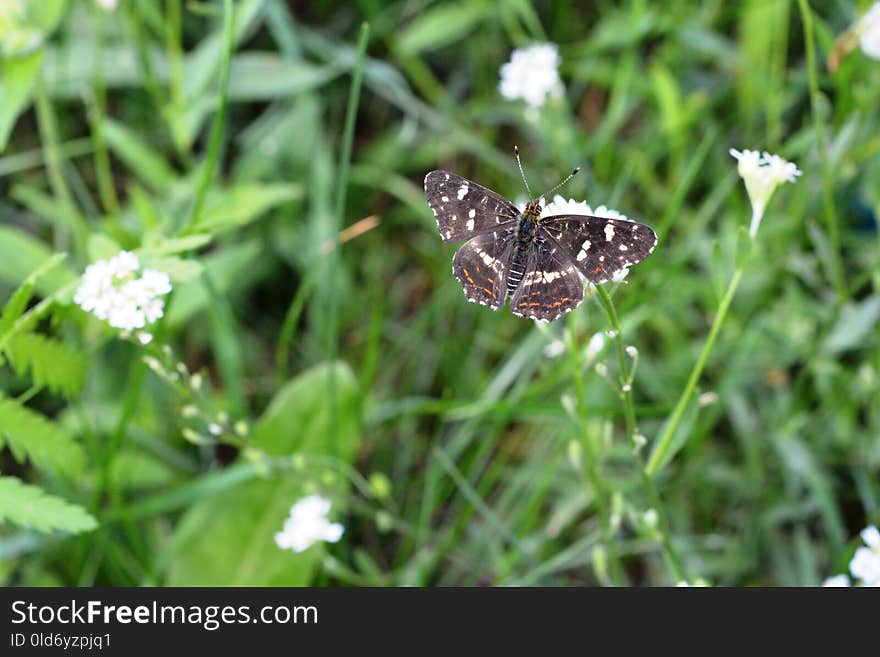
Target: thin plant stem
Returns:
[[627, 375], [216, 137], [661, 448], [103, 174], [49, 133], [618, 576], [332, 264], [830, 211]]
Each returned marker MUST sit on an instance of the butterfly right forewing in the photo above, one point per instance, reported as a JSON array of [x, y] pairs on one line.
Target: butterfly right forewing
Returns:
[[600, 247], [463, 209]]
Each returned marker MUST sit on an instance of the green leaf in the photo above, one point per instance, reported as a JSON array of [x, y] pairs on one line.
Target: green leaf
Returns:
[[17, 78], [856, 322], [51, 363], [239, 205], [15, 306], [296, 419], [21, 254], [176, 245], [226, 269], [102, 247], [228, 539], [178, 269], [144, 161], [138, 470], [264, 76], [31, 507], [31, 436], [443, 24]]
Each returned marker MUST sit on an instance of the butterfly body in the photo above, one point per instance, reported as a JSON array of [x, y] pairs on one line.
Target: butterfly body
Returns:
[[536, 262]]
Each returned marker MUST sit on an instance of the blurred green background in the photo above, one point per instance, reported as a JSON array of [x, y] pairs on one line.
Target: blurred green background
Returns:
[[455, 450]]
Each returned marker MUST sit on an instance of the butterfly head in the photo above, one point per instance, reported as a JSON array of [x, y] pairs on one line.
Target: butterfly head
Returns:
[[533, 210]]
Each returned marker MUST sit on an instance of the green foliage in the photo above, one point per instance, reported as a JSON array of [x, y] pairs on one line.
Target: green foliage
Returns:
[[31, 436], [50, 363], [210, 548], [30, 507], [455, 450]]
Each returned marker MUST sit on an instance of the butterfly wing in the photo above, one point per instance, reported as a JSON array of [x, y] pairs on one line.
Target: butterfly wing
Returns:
[[551, 285], [463, 208], [600, 247], [481, 266]]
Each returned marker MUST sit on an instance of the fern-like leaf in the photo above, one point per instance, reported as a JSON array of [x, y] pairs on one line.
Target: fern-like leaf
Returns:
[[31, 507], [15, 306], [30, 435], [51, 363]]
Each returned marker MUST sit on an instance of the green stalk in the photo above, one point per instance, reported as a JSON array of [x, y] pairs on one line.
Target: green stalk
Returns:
[[664, 443], [618, 576], [49, 134], [106, 189], [830, 211], [216, 137], [626, 395], [338, 215]]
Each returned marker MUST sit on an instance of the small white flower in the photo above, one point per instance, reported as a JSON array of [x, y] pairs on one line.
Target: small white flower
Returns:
[[865, 564], [308, 524], [836, 581], [868, 29], [532, 74], [155, 282], [554, 349], [762, 175], [112, 291], [595, 345]]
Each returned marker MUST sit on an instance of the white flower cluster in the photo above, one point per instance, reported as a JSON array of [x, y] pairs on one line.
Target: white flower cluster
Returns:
[[868, 29], [865, 564], [308, 524], [762, 175], [532, 74], [559, 205], [120, 293]]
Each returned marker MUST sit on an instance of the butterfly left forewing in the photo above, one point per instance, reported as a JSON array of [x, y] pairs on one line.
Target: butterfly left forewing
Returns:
[[462, 208], [600, 248]]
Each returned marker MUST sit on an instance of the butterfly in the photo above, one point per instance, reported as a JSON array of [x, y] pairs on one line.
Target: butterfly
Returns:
[[536, 262]]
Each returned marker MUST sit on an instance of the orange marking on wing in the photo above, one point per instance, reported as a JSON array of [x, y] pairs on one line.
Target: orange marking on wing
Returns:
[[467, 276]]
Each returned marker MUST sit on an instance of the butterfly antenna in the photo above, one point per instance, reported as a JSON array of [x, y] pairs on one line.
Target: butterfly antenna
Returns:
[[569, 177], [523, 175]]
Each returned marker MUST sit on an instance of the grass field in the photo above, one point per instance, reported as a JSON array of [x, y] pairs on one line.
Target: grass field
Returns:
[[713, 419]]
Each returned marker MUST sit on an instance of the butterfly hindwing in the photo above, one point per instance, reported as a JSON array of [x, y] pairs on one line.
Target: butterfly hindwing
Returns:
[[462, 208], [600, 247], [551, 284], [481, 266]]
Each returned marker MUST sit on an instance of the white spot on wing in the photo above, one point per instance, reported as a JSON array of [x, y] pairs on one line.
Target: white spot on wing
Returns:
[[470, 223], [472, 213], [445, 199], [487, 259], [609, 232], [623, 247], [462, 192]]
